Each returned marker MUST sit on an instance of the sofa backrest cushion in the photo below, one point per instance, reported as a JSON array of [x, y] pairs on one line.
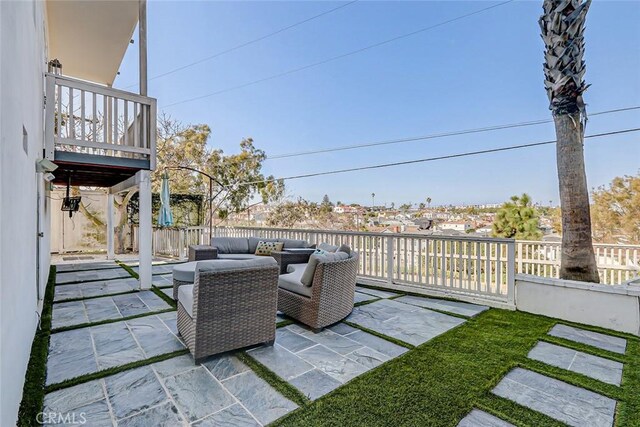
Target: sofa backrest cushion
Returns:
[[291, 243], [344, 248], [231, 245], [217, 265], [327, 247], [315, 259], [253, 243]]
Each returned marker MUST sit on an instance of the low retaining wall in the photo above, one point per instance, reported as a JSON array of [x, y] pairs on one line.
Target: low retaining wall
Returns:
[[614, 307]]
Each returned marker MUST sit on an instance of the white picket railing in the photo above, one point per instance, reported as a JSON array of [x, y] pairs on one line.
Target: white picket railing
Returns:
[[88, 118], [616, 263]]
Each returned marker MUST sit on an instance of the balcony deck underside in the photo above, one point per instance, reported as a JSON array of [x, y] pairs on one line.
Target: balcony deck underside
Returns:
[[95, 170]]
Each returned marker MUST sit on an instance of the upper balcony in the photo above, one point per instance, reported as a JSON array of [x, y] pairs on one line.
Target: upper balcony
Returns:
[[97, 135]]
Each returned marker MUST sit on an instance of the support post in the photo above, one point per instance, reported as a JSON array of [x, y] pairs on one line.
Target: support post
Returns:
[[511, 273], [110, 228], [142, 46], [145, 230], [390, 252]]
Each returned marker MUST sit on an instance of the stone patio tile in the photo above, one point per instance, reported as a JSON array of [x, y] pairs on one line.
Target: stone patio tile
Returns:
[[154, 336], [572, 405], [368, 357], [68, 399], [99, 309], [376, 292], [84, 266], [602, 369], [478, 418], [292, 341], [413, 325], [134, 391], [265, 403], [332, 363], [167, 291], [165, 415], [95, 414], [333, 341], [153, 301], [159, 269], [163, 281], [170, 320], [68, 314], [315, 384], [233, 416], [108, 287], [379, 344], [70, 355], [281, 361], [225, 366], [360, 297], [455, 307], [594, 339], [85, 276], [66, 292], [115, 345], [130, 305], [175, 365], [343, 329], [197, 393]]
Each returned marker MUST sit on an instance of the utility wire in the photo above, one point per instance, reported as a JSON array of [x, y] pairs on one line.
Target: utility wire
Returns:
[[430, 159], [250, 42], [435, 136], [344, 55]]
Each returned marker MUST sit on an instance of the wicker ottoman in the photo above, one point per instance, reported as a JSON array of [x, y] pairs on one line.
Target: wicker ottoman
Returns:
[[202, 252]]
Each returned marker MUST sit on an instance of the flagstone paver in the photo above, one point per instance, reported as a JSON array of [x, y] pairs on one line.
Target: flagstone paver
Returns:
[[478, 418], [317, 363], [106, 308], [408, 323], [92, 349], [602, 369], [175, 392], [594, 339], [564, 402], [159, 269], [86, 266], [360, 297], [163, 281], [95, 289], [91, 275], [454, 307], [376, 292]]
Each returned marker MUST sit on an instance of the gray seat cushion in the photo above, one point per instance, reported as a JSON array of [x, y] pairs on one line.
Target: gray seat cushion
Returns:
[[327, 247], [231, 245], [238, 256], [185, 297], [296, 267], [291, 282], [185, 272]]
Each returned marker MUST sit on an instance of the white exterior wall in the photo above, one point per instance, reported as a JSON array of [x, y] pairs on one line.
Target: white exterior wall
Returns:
[[22, 63], [614, 307]]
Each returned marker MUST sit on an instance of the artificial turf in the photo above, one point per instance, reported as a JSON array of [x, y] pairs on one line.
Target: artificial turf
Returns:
[[439, 382]]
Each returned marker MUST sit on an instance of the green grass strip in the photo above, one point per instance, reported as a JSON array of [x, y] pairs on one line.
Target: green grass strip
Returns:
[[166, 298], [33, 391], [114, 370], [107, 321], [129, 269], [283, 387], [628, 409]]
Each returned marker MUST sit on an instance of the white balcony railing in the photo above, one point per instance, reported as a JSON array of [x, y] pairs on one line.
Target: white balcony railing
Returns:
[[87, 118]]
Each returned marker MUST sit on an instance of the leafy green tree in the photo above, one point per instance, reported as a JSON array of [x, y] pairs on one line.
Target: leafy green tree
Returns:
[[517, 219], [616, 211], [326, 206], [422, 206]]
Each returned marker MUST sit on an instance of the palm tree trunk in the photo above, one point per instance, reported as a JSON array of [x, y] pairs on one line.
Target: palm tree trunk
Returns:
[[578, 259]]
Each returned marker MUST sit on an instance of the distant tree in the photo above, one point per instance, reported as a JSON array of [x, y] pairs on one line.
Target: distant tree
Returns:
[[517, 219], [422, 206], [616, 211], [405, 207], [393, 205], [429, 201], [562, 25], [326, 206]]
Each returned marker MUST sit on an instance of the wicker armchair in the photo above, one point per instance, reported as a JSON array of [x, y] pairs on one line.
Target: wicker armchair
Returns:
[[233, 306], [332, 291]]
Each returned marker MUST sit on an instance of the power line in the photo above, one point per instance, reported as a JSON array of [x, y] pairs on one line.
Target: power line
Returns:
[[430, 159], [435, 136], [250, 42], [335, 58]]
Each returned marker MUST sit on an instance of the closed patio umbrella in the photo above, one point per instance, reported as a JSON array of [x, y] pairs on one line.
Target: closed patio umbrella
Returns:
[[165, 217]]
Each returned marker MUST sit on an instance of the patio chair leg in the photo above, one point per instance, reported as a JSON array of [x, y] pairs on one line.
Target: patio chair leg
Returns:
[[270, 343], [317, 330]]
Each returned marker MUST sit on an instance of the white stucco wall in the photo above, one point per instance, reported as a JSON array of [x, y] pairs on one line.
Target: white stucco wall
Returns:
[[22, 63], [614, 307]]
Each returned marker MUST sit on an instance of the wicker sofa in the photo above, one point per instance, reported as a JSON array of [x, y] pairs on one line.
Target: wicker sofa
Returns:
[[328, 300], [230, 305]]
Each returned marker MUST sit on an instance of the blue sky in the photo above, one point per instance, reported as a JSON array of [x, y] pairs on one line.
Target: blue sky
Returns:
[[480, 71]]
